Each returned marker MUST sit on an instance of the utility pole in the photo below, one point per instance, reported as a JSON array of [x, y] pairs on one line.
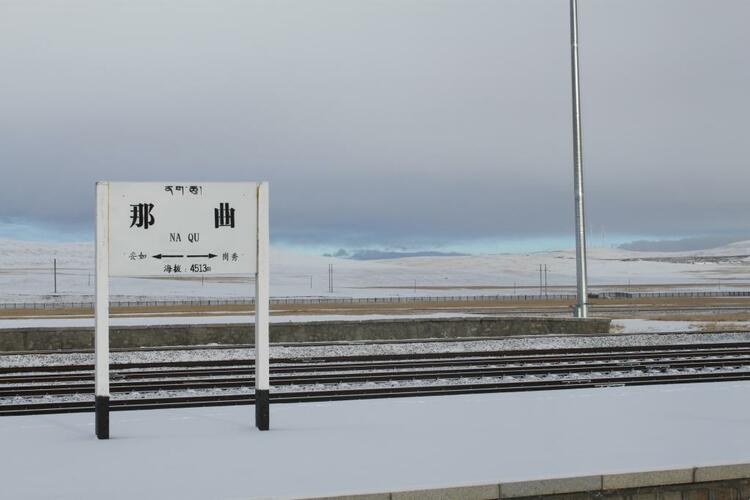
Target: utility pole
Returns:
[[540, 280], [546, 290], [311, 276], [54, 272], [581, 309], [415, 286], [330, 278]]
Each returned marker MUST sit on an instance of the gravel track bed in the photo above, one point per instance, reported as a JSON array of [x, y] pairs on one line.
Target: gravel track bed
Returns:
[[301, 352]]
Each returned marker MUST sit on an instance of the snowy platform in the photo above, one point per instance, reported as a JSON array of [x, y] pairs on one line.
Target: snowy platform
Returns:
[[379, 445]]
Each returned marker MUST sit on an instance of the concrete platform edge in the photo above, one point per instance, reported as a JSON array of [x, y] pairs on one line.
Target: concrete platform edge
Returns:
[[123, 337], [624, 484]]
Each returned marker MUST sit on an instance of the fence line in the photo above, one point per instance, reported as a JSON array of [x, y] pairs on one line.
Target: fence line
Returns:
[[369, 300]]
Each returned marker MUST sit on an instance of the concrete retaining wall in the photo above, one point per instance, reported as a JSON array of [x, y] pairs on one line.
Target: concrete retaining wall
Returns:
[[35, 339], [723, 482]]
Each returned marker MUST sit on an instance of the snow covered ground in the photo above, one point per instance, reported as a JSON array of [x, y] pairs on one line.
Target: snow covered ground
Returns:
[[652, 326], [658, 326], [26, 274], [376, 445]]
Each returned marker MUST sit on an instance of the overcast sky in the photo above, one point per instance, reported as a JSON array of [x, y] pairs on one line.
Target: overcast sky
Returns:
[[385, 123]]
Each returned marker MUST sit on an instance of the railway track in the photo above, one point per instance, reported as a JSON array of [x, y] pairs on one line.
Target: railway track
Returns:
[[49, 389]]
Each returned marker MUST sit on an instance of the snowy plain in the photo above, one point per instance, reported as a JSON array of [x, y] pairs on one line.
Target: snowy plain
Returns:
[[377, 445], [26, 274]]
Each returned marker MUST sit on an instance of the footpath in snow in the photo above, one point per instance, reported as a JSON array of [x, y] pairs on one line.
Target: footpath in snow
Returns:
[[376, 445]]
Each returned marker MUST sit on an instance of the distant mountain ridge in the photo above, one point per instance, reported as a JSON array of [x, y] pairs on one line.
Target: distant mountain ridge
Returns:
[[682, 245], [372, 254]]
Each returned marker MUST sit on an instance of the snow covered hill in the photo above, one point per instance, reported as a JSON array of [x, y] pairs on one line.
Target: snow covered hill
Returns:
[[26, 273]]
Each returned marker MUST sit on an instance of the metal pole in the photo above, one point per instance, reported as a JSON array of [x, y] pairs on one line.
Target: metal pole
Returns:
[[540, 280], [262, 301], [581, 309], [101, 313], [54, 265]]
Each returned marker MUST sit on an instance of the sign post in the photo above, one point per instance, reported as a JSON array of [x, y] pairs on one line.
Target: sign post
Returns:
[[101, 312], [262, 299], [178, 230]]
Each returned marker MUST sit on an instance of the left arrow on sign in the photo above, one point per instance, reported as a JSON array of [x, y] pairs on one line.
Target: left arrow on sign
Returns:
[[164, 256]]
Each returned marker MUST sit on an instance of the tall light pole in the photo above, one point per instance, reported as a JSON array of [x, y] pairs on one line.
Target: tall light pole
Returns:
[[581, 309]]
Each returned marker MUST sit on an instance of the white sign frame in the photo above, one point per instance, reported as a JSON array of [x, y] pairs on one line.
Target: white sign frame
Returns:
[[262, 298]]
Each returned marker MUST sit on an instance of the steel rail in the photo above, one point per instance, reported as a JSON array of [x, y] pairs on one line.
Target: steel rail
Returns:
[[243, 377], [375, 393], [328, 364], [238, 369]]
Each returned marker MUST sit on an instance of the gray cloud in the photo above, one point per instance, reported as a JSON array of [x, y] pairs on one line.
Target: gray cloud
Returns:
[[397, 122]]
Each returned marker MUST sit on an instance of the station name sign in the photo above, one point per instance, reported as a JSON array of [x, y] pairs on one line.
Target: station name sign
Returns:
[[182, 229]]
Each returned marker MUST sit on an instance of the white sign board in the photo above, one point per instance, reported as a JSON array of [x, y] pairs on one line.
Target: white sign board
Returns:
[[181, 229], [168, 229]]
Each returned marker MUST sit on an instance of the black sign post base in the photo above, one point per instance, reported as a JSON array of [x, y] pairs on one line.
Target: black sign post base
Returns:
[[101, 406], [262, 416]]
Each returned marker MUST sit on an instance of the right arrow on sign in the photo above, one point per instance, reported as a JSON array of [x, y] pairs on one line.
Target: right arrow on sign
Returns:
[[206, 256]]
